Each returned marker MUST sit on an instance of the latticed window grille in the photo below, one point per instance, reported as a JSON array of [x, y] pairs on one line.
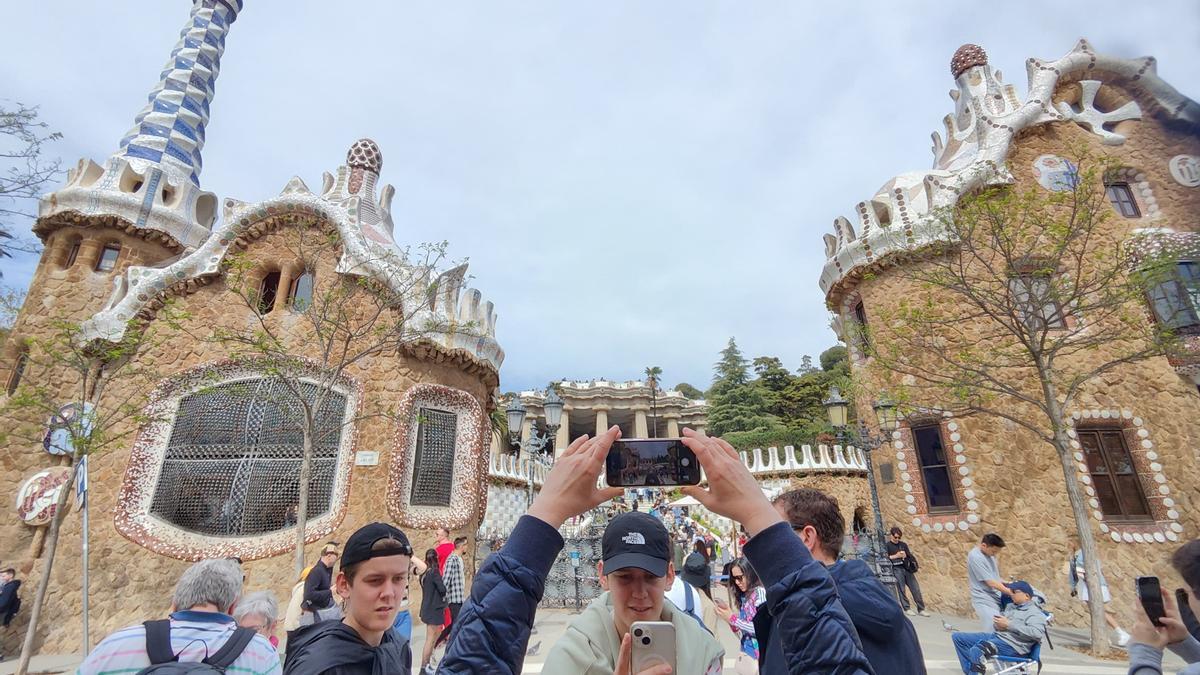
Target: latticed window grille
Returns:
[[433, 464], [232, 464]]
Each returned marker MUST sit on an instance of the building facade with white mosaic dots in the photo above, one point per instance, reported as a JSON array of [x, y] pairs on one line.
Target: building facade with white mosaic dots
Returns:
[[209, 467], [947, 480]]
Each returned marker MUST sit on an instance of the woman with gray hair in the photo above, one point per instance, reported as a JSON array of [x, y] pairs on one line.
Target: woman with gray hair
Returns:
[[259, 611]]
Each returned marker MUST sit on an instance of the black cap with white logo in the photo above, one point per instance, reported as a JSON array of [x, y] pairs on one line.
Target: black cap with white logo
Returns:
[[636, 539]]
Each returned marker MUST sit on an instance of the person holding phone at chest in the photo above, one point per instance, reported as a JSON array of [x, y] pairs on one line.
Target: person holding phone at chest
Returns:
[[635, 572], [1158, 623]]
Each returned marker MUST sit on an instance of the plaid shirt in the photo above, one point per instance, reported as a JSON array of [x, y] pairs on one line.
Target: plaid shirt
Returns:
[[455, 580]]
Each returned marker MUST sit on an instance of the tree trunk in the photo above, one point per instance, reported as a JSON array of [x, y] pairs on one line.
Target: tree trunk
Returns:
[[302, 501], [1087, 542], [39, 601]]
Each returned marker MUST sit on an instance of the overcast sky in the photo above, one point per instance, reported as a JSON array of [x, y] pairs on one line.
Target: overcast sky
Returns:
[[633, 182]]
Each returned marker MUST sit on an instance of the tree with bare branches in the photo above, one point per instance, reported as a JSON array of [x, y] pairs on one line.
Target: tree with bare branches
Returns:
[[306, 338], [93, 395], [25, 171], [1034, 297]]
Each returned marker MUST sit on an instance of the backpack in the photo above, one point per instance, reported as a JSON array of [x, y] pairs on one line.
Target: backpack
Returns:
[[690, 604], [164, 661]]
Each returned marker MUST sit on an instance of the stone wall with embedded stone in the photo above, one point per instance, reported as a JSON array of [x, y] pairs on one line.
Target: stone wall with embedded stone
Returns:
[[1009, 482], [129, 582]]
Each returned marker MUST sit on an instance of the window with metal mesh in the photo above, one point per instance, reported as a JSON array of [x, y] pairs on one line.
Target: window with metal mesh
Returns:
[[232, 465], [433, 464]]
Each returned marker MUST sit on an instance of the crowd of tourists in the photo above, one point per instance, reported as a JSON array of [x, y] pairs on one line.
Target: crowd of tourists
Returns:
[[793, 603]]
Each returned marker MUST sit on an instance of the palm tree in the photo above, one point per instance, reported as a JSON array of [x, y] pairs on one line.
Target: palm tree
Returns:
[[652, 375]]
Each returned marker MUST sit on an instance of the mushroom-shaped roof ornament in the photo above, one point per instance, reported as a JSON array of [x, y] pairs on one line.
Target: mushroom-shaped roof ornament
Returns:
[[365, 154], [965, 57]]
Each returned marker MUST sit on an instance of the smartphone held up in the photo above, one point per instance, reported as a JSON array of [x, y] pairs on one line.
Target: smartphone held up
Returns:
[[1150, 594], [651, 462]]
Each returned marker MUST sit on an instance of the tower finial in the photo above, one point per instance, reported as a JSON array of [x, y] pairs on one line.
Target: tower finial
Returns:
[[967, 56], [169, 131]]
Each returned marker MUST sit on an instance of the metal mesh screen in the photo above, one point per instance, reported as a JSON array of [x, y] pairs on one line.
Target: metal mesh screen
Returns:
[[232, 465], [433, 475]]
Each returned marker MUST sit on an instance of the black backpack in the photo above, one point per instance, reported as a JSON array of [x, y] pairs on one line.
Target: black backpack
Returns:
[[164, 661]]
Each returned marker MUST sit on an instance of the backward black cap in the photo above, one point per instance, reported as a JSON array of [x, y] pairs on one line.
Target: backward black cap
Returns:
[[358, 546], [636, 539]]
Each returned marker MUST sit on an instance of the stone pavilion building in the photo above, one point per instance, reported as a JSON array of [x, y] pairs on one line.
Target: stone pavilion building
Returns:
[[947, 481], [212, 471]]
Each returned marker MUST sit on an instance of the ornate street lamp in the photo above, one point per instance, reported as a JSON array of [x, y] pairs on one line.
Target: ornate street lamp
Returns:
[[838, 409], [533, 446]]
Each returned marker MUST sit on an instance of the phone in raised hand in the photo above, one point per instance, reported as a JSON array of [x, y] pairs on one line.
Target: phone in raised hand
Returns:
[[1150, 595], [653, 645], [651, 462]]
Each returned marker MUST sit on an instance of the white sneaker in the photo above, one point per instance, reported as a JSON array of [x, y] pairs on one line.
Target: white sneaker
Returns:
[[924, 612], [910, 612], [1122, 638]]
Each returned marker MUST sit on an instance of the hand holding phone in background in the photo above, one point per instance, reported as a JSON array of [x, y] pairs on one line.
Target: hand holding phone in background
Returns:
[[1158, 623]]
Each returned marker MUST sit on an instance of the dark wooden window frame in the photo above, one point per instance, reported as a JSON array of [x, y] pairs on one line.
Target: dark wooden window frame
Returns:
[[945, 466], [1181, 291], [268, 292], [863, 338], [18, 371], [295, 287], [1120, 195], [101, 265], [1139, 499]]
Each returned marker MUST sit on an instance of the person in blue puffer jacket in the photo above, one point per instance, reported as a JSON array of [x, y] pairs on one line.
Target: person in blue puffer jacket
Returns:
[[493, 631]]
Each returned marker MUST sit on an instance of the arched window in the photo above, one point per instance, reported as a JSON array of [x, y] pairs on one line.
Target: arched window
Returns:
[[232, 462], [300, 295], [433, 472], [18, 371], [267, 291], [108, 258]]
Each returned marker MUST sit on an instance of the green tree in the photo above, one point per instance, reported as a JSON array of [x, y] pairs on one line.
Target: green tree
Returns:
[[653, 373], [736, 403], [833, 357], [1021, 317], [65, 366], [689, 391]]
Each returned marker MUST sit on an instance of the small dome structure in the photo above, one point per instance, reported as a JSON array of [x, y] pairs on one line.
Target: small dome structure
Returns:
[[967, 56], [365, 154]]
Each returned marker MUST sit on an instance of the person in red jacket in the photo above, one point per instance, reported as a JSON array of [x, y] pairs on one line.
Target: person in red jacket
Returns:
[[444, 548]]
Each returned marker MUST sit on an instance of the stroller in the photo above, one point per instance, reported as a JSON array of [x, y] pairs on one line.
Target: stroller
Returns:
[[1031, 664]]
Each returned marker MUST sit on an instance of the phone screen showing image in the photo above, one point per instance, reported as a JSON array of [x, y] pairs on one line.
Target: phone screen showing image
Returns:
[[651, 462], [1150, 595]]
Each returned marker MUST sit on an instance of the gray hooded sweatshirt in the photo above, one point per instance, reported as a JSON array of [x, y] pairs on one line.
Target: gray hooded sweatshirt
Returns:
[[1026, 626], [591, 644]]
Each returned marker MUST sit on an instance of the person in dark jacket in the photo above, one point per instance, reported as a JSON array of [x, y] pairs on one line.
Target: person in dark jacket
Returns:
[[888, 637], [493, 632], [10, 602], [696, 569], [433, 606], [373, 577], [318, 602]]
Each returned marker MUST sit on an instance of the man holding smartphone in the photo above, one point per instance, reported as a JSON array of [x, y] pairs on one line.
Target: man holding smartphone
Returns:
[[1146, 649], [635, 571]]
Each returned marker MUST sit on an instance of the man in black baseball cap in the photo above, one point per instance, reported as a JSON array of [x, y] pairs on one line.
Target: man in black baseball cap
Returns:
[[372, 577], [636, 571]]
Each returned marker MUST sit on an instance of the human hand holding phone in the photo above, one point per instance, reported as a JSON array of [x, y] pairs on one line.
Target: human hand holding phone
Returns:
[[625, 661], [1169, 629], [570, 487], [732, 492]]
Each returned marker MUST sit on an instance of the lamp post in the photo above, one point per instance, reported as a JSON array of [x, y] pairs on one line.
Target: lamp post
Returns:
[[533, 446], [838, 409]]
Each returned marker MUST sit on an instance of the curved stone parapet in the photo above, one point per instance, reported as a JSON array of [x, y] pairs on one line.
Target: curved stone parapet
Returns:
[[450, 318], [515, 469]]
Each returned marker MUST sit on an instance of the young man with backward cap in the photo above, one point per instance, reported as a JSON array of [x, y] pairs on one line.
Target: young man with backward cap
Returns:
[[373, 578], [635, 572]]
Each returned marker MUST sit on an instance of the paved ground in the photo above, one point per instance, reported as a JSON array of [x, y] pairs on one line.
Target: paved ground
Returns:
[[935, 643]]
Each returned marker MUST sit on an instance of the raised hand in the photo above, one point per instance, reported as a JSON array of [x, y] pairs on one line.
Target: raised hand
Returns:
[[570, 487], [732, 492]]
